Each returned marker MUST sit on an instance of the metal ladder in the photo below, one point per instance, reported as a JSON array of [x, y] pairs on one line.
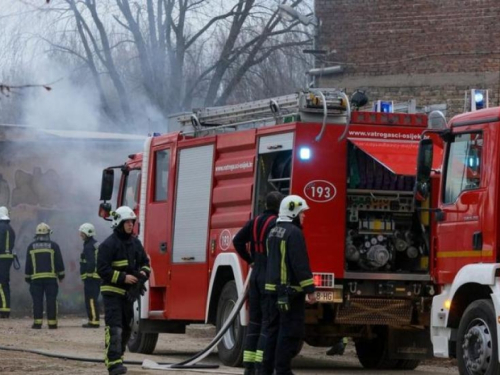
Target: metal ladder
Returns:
[[318, 103]]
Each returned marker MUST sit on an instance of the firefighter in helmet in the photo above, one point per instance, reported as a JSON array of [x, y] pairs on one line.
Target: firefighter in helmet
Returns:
[[7, 240], [44, 267], [289, 281], [123, 267], [89, 275], [255, 233]]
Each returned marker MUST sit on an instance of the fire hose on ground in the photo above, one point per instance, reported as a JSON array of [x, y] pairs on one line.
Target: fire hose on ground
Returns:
[[190, 363]]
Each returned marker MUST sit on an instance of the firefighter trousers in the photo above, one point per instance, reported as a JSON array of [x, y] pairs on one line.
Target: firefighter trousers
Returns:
[[39, 289], [256, 337], [92, 288], [118, 314], [286, 331], [5, 265]]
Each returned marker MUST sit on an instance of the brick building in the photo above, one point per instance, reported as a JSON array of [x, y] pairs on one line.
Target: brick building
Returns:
[[431, 50]]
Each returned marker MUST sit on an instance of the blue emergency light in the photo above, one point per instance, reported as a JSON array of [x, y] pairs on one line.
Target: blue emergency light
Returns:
[[386, 107], [383, 106], [478, 99]]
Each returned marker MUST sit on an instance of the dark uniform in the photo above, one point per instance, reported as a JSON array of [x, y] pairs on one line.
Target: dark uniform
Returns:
[[120, 254], [256, 231], [288, 279], [7, 240], [91, 280], [44, 267]]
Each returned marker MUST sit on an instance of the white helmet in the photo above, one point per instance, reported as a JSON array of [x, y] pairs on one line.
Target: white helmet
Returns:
[[43, 229], [290, 208], [122, 213], [87, 229], [4, 213]]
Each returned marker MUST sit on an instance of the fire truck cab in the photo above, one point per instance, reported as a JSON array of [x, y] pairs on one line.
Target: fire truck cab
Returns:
[[370, 243], [462, 196]]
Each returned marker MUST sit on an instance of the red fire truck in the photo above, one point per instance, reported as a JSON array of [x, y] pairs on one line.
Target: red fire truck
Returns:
[[379, 256]]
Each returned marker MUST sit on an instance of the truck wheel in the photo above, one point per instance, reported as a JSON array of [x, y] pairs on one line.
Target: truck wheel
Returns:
[[141, 342], [373, 353], [231, 346], [477, 351]]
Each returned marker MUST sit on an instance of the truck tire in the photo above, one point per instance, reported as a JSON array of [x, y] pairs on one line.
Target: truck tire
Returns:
[[477, 351], [230, 348], [141, 342], [374, 353]]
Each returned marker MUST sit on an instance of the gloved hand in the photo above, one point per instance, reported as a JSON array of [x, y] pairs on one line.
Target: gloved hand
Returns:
[[138, 289], [134, 292]]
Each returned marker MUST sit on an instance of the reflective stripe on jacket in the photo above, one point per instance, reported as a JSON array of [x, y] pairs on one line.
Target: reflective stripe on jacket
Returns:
[[288, 262], [116, 258], [44, 261]]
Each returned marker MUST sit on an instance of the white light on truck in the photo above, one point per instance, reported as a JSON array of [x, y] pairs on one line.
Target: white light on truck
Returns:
[[305, 153]]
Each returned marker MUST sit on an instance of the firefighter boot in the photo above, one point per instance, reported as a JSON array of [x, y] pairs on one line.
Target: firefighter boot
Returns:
[[249, 371], [88, 325], [338, 348], [117, 370]]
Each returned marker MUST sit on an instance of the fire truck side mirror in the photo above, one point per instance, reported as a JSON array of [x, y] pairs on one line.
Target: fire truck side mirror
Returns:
[[105, 211], [424, 167], [108, 178]]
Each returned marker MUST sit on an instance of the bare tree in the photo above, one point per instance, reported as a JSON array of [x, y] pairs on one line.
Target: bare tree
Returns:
[[177, 53]]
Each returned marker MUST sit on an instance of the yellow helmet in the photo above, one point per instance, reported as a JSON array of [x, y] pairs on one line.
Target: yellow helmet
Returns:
[[42, 229]]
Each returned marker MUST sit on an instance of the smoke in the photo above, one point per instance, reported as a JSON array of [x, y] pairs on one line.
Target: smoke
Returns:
[[67, 105], [55, 177]]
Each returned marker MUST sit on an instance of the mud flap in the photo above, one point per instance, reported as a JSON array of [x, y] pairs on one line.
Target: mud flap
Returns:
[[409, 344]]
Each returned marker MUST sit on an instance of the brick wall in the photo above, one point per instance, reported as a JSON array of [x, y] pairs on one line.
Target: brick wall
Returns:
[[432, 50]]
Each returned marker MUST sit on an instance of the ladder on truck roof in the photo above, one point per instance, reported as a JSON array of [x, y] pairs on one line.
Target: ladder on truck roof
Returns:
[[313, 105]]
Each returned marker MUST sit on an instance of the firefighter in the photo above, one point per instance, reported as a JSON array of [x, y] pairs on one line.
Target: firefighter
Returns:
[[44, 267], [89, 275], [7, 254], [289, 281], [123, 267], [255, 232]]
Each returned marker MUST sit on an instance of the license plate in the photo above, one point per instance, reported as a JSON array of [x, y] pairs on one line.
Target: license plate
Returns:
[[324, 297]]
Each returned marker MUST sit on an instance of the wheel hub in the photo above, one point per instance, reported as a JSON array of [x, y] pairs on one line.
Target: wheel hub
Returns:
[[477, 348]]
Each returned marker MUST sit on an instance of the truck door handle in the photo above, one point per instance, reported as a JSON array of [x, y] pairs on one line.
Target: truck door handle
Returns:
[[187, 258], [477, 241], [163, 247]]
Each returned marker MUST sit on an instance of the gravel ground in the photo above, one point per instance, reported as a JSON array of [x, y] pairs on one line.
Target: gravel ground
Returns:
[[72, 340]]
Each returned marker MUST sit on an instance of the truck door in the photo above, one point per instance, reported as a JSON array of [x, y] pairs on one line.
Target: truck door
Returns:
[[156, 238], [460, 224], [188, 274]]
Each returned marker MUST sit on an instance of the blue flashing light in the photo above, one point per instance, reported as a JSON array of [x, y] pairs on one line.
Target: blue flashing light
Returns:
[[305, 153], [479, 99], [386, 107]]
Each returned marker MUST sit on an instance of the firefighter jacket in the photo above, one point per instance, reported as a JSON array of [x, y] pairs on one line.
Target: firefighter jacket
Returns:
[[119, 255], [255, 231], [288, 263], [88, 259], [7, 240], [44, 261]]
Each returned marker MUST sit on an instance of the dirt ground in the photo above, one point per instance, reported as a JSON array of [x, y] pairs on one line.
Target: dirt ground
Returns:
[[72, 340]]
